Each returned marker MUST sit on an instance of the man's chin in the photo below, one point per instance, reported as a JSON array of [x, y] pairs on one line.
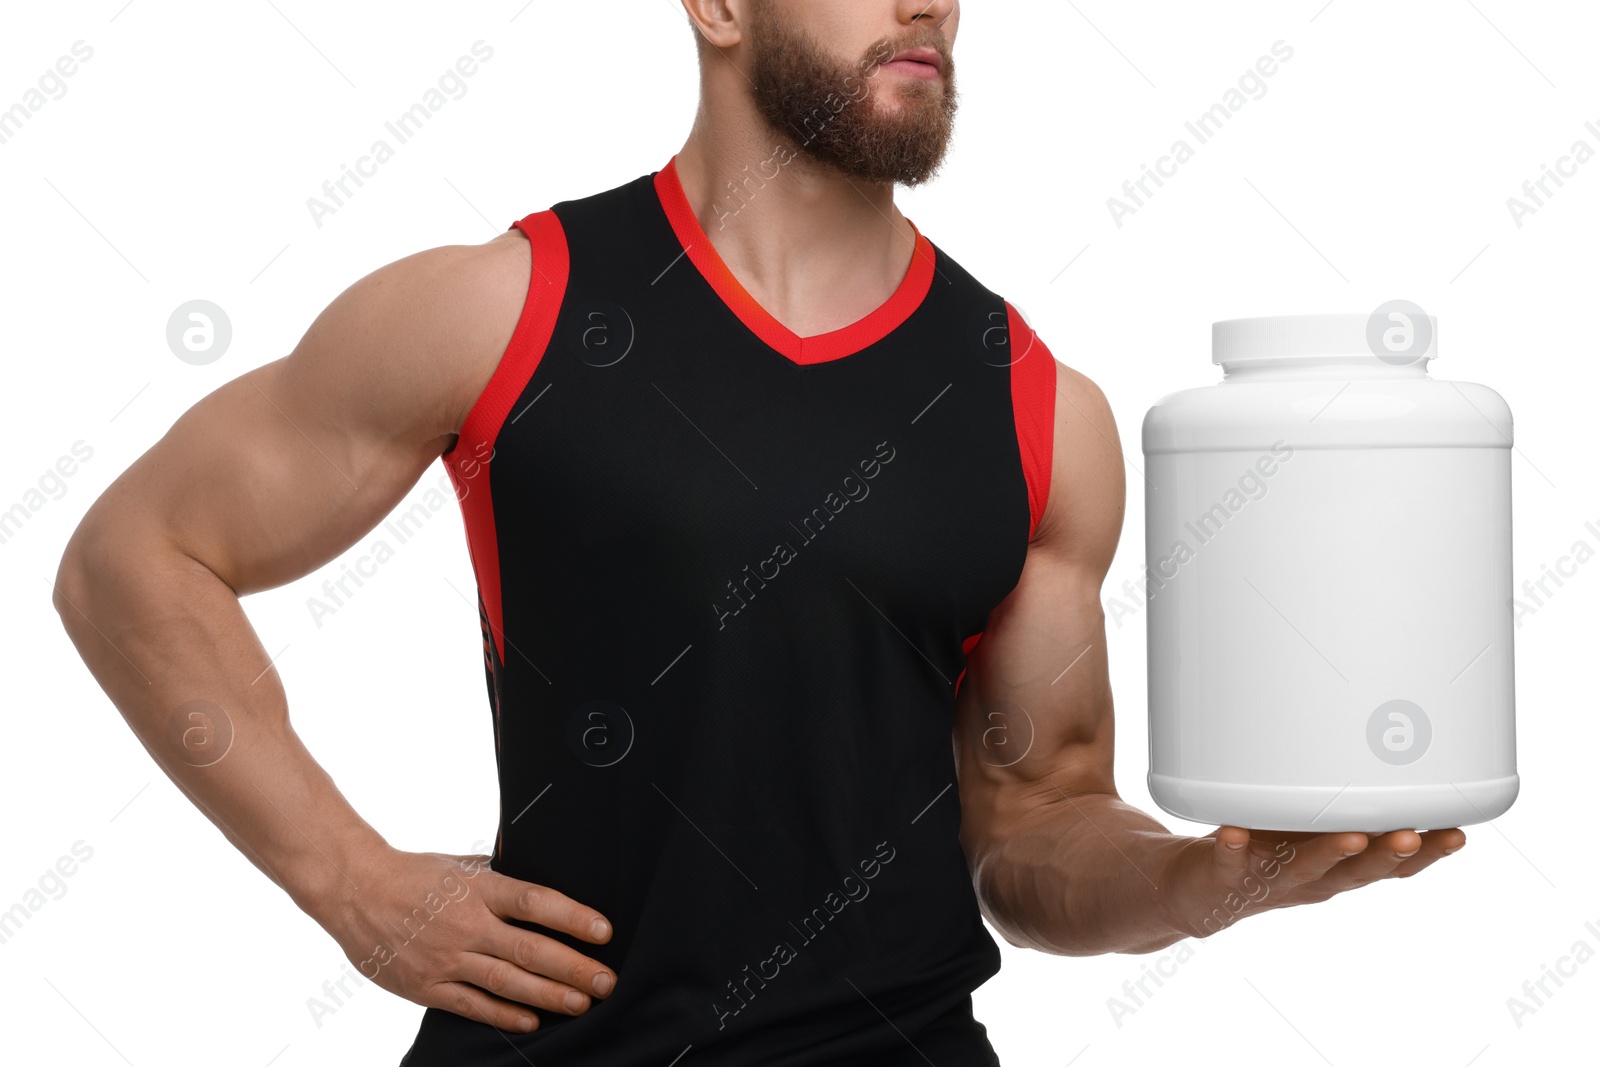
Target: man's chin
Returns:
[[908, 176]]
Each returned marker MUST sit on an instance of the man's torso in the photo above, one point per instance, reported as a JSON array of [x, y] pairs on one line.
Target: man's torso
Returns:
[[726, 581]]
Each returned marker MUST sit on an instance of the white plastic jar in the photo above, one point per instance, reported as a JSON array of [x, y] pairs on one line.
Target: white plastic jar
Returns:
[[1328, 568]]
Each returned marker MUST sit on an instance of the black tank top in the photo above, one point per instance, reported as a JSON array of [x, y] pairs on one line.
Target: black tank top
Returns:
[[728, 578]]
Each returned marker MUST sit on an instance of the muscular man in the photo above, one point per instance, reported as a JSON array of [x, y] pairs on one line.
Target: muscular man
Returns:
[[788, 537]]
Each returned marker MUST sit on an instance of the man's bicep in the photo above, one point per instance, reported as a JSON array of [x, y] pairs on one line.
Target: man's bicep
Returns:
[[263, 487], [279, 470], [1038, 682]]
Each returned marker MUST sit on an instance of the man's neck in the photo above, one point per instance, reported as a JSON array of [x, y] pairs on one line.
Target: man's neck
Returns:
[[815, 249]]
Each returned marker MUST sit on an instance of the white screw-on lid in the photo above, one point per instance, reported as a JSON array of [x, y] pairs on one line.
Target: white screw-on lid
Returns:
[[1394, 334]]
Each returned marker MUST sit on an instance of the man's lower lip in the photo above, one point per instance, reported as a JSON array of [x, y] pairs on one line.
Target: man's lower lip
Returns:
[[913, 68]]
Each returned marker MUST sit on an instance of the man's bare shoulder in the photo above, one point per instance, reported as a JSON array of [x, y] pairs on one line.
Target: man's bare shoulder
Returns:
[[422, 335]]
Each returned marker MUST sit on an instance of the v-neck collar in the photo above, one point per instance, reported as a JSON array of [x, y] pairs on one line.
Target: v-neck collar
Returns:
[[818, 348]]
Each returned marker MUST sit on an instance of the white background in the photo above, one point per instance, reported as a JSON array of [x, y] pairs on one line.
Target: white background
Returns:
[[178, 164]]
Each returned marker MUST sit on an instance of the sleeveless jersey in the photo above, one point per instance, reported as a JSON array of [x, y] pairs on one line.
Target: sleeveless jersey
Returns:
[[728, 578]]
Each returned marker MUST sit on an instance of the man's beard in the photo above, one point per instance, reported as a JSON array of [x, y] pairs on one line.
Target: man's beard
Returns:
[[793, 80]]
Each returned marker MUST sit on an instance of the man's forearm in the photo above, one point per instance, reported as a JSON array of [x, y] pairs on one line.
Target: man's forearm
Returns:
[[1078, 876], [169, 643]]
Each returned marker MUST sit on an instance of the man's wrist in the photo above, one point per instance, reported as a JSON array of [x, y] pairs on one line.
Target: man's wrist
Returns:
[[324, 880]]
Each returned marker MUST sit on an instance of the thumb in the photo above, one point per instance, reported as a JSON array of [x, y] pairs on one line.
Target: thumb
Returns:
[[1230, 854]]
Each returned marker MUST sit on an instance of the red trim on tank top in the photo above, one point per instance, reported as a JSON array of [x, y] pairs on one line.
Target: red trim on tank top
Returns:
[[469, 461], [1033, 403], [966, 649], [818, 348]]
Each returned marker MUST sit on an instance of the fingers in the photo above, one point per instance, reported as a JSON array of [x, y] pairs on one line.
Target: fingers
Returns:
[[544, 958], [1397, 854], [511, 898], [1436, 844], [1288, 859], [475, 1004], [1260, 870], [540, 955], [1378, 860], [507, 980]]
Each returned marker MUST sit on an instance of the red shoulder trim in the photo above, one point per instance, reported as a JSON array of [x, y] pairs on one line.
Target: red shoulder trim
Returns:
[[468, 461], [1033, 403]]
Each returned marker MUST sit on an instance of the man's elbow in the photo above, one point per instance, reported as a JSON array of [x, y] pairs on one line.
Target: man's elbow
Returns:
[[69, 592], [1007, 896], [89, 568]]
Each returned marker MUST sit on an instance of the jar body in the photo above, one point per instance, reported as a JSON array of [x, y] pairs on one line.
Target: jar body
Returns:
[[1328, 554]]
